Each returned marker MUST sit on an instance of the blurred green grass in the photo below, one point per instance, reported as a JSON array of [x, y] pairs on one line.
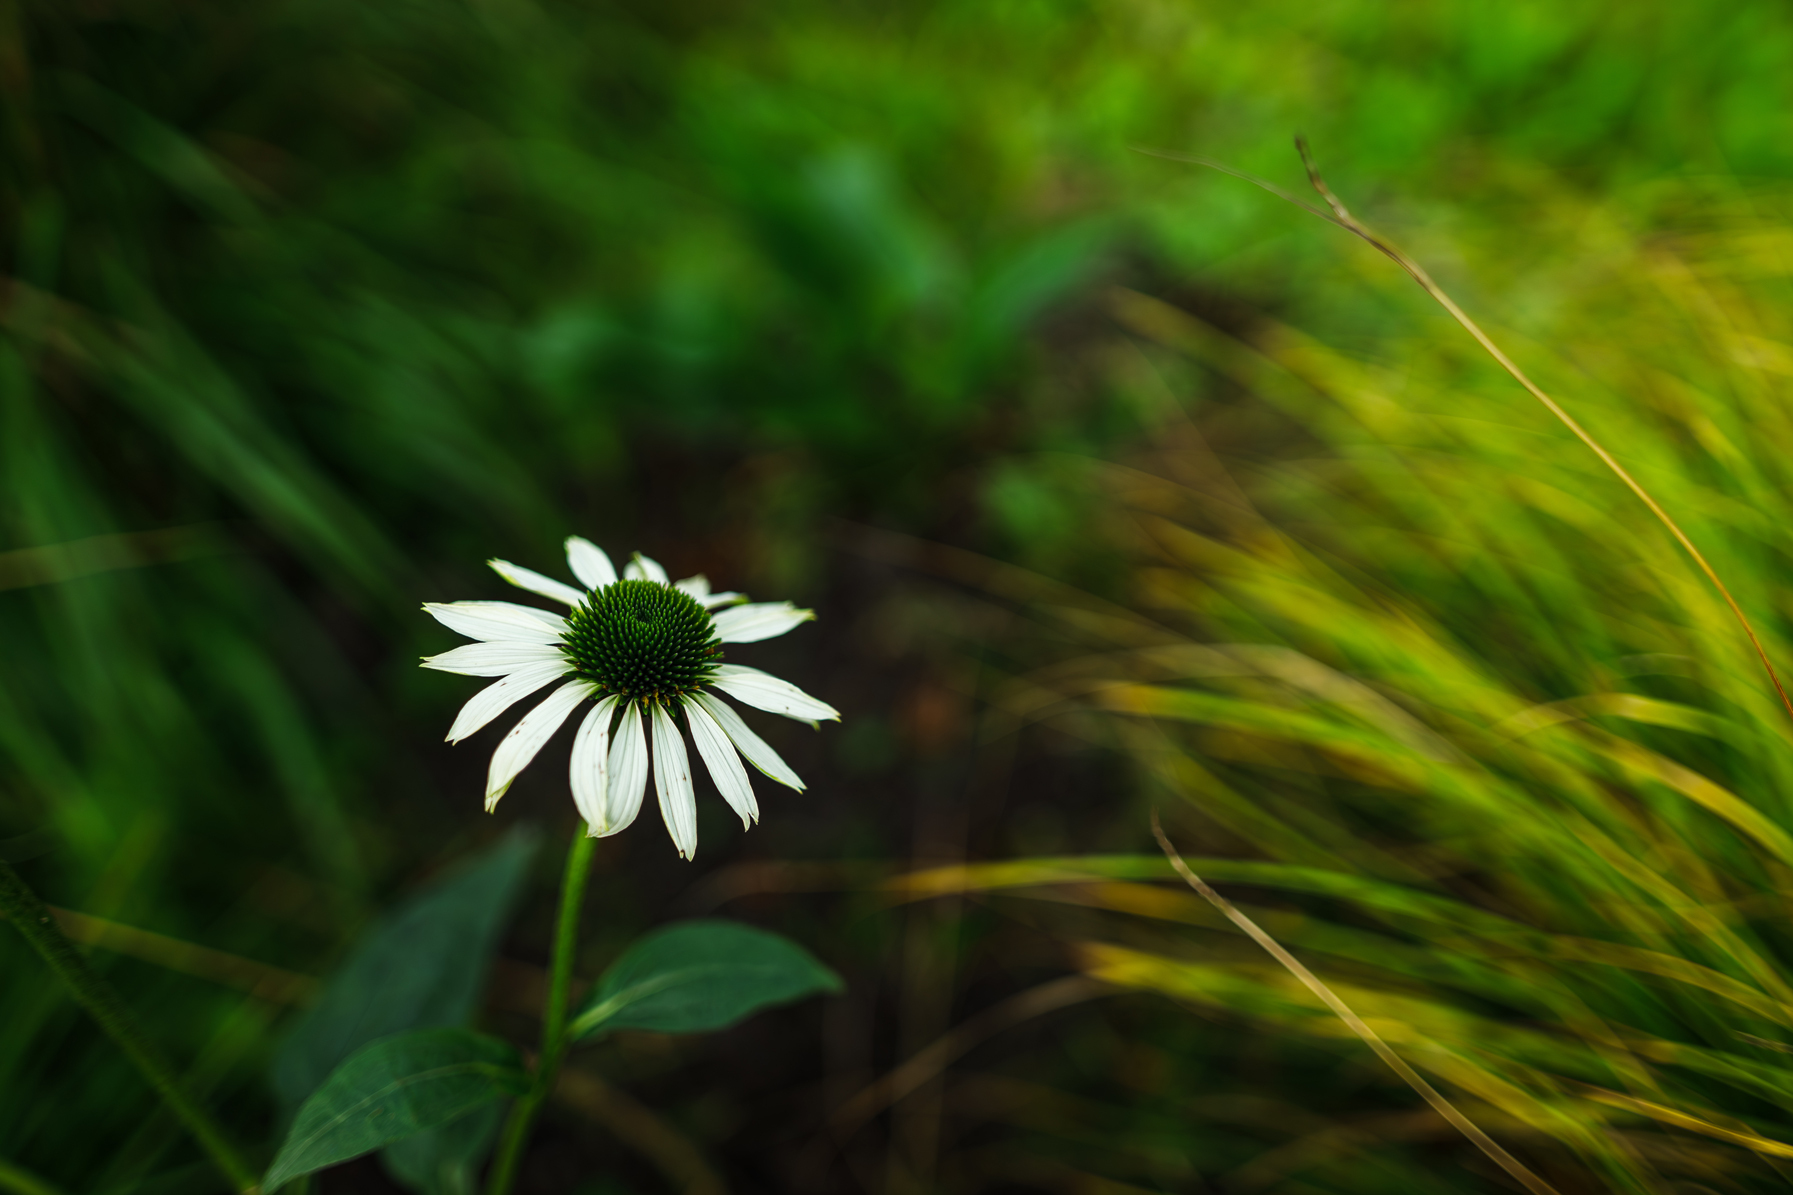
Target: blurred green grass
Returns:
[[1469, 697], [310, 307]]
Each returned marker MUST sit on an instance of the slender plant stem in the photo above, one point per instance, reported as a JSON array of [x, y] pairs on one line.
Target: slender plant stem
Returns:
[[1482, 1141], [554, 1019], [33, 918], [1345, 220]]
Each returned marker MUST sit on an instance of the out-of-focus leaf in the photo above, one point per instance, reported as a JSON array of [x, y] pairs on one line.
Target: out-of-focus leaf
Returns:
[[444, 1160], [696, 976], [164, 151], [420, 967], [393, 1088], [1032, 277]]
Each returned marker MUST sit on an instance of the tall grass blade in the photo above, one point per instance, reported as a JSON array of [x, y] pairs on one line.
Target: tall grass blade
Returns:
[[1496, 1153]]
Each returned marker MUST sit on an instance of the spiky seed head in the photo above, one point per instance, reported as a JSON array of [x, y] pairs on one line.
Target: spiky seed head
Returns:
[[642, 640]]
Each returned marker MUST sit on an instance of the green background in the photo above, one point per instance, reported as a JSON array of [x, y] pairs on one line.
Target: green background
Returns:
[[311, 307]]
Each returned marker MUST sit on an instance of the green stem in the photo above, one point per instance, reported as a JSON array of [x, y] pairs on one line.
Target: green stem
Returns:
[[554, 1019], [26, 911]]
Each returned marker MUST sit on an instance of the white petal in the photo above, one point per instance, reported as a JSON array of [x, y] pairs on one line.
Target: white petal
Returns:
[[645, 568], [751, 745], [589, 563], [493, 659], [724, 764], [763, 691], [672, 783], [534, 582], [628, 773], [698, 587], [590, 773], [759, 620], [535, 728], [498, 620], [495, 698]]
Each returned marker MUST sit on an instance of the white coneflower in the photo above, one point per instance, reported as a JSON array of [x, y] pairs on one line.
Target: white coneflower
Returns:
[[649, 651]]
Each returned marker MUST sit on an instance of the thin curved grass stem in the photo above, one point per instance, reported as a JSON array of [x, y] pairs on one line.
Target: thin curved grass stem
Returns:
[[1482, 1141], [33, 919], [1418, 273], [1342, 217]]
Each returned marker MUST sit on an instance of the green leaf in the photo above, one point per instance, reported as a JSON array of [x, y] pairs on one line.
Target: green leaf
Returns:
[[392, 1089], [444, 1160], [700, 975], [422, 966]]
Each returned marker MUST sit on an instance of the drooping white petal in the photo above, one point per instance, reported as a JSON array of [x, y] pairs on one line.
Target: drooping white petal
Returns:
[[628, 773], [590, 771], [751, 745], [493, 659], [672, 783], [498, 620], [535, 728], [698, 588], [758, 620], [589, 563], [763, 691], [499, 696], [724, 764], [534, 582], [645, 568]]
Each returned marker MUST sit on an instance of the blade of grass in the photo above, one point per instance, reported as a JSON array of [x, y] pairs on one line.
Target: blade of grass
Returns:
[[261, 980], [52, 563], [32, 919], [1754, 1142], [1342, 217], [19, 1181], [1492, 1148]]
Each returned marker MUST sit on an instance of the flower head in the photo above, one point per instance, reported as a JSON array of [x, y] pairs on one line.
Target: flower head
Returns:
[[648, 651]]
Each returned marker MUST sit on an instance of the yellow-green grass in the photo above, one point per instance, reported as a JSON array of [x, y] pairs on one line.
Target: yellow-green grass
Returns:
[[1468, 728]]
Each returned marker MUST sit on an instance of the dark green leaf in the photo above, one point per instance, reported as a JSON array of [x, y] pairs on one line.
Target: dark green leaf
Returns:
[[700, 975], [444, 1160], [421, 966], [393, 1088]]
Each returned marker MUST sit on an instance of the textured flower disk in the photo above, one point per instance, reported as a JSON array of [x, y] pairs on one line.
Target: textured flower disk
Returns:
[[641, 640], [650, 650]]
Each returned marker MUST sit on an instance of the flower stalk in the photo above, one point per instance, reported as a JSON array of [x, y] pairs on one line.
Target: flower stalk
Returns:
[[515, 1135], [32, 917]]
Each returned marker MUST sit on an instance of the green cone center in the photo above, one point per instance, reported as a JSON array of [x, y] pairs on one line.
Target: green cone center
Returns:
[[642, 640]]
